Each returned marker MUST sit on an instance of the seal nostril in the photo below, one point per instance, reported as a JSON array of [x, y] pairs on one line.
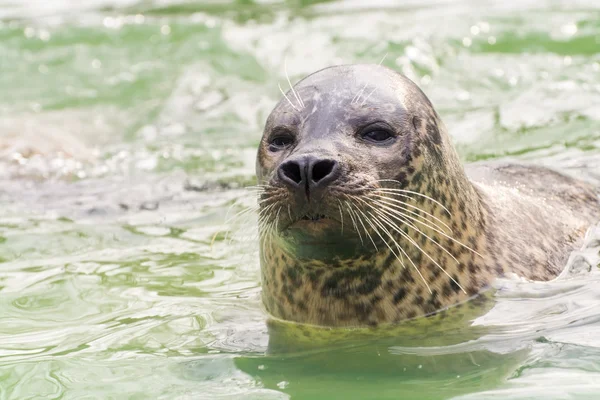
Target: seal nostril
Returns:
[[322, 169], [291, 170]]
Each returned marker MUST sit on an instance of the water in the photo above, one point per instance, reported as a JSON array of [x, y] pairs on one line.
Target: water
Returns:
[[128, 127]]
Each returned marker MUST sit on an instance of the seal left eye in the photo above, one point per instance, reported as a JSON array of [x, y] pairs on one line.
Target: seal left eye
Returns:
[[280, 142]]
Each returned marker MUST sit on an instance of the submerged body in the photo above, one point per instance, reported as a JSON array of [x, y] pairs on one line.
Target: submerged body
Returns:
[[368, 217]]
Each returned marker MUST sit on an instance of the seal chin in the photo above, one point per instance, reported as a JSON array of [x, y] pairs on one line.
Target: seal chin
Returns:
[[315, 220], [320, 237], [314, 228]]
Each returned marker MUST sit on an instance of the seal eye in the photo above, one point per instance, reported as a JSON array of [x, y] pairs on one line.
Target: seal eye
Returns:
[[377, 135], [280, 141]]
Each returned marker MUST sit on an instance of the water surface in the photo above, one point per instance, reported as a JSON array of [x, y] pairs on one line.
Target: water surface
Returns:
[[128, 129]]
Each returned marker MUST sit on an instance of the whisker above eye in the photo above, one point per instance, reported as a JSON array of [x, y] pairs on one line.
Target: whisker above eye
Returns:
[[287, 98], [300, 102], [367, 98], [360, 92]]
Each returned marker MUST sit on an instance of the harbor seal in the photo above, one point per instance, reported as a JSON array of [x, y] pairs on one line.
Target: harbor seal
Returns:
[[368, 217]]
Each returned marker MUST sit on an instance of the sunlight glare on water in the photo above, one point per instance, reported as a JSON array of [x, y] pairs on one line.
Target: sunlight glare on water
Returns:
[[128, 130]]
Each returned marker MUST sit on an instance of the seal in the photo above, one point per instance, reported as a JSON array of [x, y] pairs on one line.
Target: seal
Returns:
[[368, 217]]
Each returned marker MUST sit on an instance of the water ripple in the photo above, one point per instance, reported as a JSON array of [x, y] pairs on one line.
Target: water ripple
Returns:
[[118, 170]]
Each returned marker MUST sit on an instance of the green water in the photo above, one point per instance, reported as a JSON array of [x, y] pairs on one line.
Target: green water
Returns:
[[128, 127]]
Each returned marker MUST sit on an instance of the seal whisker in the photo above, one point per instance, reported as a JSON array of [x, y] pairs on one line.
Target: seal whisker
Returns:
[[376, 220], [393, 226], [229, 210], [264, 211], [252, 187], [349, 208], [456, 241], [237, 222], [405, 235], [265, 200], [241, 213], [273, 226], [405, 254], [393, 210], [267, 235], [277, 218], [371, 223], [356, 228], [296, 95], [341, 217], [238, 218], [269, 195], [397, 255], [357, 97], [366, 231], [367, 98], [270, 233], [383, 58], [402, 206], [390, 213], [264, 225], [287, 98], [400, 192], [256, 191]]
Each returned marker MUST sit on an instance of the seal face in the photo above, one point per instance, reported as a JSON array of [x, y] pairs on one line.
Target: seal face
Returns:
[[367, 215]]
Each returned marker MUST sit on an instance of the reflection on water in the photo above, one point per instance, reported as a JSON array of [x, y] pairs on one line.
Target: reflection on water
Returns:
[[127, 128]]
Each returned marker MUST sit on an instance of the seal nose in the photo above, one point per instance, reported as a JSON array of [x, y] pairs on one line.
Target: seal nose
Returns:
[[308, 173]]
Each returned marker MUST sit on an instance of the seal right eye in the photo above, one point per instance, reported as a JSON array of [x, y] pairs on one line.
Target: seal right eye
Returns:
[[377, 134], [280, 141]]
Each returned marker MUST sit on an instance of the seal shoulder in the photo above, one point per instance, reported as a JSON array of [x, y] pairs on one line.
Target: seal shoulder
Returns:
[[540, 182], [538, 213]]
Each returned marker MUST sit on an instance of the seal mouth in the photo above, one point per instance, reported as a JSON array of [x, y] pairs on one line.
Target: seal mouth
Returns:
[[312, 222], [314, 217]]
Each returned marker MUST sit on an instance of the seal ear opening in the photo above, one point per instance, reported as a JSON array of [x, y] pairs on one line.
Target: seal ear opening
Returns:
[[416, 121]]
